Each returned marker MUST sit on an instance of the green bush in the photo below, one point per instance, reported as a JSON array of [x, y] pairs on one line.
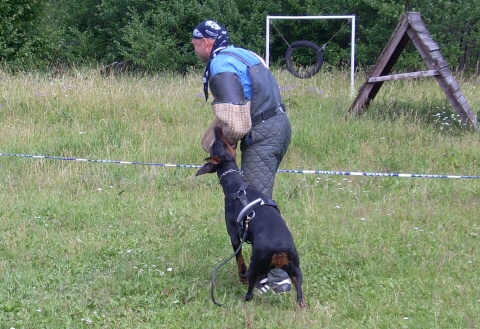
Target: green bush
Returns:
[[156, 34]]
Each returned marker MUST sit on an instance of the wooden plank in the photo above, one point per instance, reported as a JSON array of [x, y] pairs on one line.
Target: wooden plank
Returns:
[[472, 118], [460, 107], [443, 84], [441, 64], [415, 20], [458, 94], [410, 75], [394, 44], [449, 80], [454, 86], [412, 28], [425, 36], [425, 39], [445, 72], [470, 114], [361, 102], [431, 46], [436, 56], [418, 43], [463, 104], [418, 27], [460, 98]]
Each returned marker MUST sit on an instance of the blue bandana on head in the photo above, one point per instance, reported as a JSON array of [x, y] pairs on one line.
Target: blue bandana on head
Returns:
[[212, 30]]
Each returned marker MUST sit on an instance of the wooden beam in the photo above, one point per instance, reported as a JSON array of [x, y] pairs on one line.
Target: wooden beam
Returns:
[[412, 29], [410, 75], [383, 66]]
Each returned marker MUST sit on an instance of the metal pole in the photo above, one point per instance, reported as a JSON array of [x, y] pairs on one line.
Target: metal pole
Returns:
[[352, 60], [267, 50]]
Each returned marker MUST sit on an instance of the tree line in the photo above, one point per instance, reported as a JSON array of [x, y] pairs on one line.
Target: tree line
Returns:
[[155, 35]]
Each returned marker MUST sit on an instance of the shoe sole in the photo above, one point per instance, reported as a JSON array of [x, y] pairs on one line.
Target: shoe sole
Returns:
[[282, 289]]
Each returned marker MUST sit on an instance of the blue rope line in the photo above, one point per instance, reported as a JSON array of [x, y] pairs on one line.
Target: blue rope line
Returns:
[[49, 157], [299, 171]]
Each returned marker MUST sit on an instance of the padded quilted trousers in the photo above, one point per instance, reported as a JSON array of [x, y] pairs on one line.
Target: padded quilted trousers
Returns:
[[263, 150]]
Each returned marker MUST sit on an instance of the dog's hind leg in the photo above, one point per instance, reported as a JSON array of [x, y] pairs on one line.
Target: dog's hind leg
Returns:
[[253, 274], [297, 278], [252, 280]]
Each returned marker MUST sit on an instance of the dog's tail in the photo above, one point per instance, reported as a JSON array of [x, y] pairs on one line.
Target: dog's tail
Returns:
[[279, 260]]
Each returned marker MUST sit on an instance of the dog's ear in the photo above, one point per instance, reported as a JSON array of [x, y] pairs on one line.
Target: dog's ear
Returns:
[[211, 165], [206, 169], [215, 159]]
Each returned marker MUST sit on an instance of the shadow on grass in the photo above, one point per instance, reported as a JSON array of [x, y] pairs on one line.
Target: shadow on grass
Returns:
[[436, 114]]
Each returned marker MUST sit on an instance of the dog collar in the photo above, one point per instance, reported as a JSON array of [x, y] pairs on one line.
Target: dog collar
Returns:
[[229, 172]]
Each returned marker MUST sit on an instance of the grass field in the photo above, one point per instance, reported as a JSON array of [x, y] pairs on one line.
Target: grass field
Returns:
[[102, 245]]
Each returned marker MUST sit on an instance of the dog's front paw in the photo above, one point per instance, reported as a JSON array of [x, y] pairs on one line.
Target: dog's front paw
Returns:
[[242, 271], [302, 304], [243, 278], [248, 297]]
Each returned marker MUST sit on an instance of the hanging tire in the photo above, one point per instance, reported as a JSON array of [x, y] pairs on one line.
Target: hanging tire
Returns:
[[314, 70]]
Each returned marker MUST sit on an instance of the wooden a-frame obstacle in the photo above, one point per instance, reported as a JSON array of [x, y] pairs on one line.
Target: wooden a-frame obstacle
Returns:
[[412, 28]]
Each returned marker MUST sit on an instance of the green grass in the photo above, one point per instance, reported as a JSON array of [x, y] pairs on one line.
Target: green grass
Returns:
[[101, 245]]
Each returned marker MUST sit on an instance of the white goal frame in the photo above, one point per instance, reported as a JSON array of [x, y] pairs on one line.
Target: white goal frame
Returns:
[[352, 42]]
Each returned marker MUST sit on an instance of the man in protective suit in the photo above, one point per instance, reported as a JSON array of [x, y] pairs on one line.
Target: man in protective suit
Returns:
[[248, 107]]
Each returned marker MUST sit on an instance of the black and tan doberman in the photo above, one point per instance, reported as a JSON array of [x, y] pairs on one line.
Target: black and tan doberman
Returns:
[[272, 242]]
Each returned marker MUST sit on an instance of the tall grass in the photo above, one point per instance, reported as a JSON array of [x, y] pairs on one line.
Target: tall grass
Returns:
[[131, 246]]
